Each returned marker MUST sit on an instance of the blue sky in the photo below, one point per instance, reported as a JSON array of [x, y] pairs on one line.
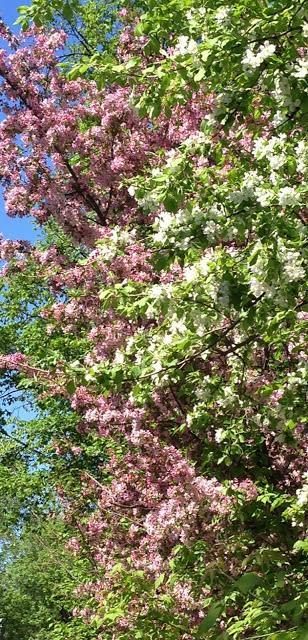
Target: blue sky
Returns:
[[8, 9], [13, 228]]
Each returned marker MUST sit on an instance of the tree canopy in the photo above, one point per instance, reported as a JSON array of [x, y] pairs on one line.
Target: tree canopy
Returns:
[[158, 327]]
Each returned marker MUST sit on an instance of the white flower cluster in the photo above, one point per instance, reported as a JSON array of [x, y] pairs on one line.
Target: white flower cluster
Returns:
[[174, 160], [282, 90], [164, 221], [253, 59], [301, 151], [191, 273], [148, 202], [111, 244], [297, 377], [206, 267], [229, 396], [195, 139], [119, 357], [220, 435], [200, 268], [184, 46], [161, 291], [301, 68], [253, 185], [176, 329], [251, 180], [288, 197], [168, 226], [276, 151], [123, 236], [264, 196], [200, 322], [131, 190], [291, 269], [222, 16], [215, 217], [194, 14], [157, 294], [258, 287], [292, 263], [266, 147], [302, 493], [283, 96], [273, 150], [258, 284], [107, 251], [206, 262], [177, 326]]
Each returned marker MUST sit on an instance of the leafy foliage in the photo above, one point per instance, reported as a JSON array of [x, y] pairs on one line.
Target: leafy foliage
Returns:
[[159, 327]]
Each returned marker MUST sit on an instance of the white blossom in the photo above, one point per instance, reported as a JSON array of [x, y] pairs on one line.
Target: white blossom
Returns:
[[291, 263], [178, 327], [278, 118], [222, 16], [282, 93], [264, 196], [277, 161], [250, 181], [195, 138], [210, 229], [200, 323], [282, 88], [252, 60], [204, 264], [107, 252], [258, 287], [157, 366], [302, 493], [301, 151], [219, 435], [301, 68], [185, 45], [166, 220], [288, 197], [190, 273], [264, 148], [119, 357]]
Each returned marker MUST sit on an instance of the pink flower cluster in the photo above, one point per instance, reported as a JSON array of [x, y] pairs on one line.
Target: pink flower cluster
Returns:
[[152, 497]]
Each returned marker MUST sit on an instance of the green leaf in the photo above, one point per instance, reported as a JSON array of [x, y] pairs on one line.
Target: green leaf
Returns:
[[170, 203], [301, 545], [23, 9], [303, 632], [205, 55], [113, 615], [159, 580], [210, 619], [67, 11], [71, 387], [199, 75], [155, 109], [133, 62], [247, 582], [141, 28]]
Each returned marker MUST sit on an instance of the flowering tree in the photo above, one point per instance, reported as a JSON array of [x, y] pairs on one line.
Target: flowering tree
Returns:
[[174, 164]]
